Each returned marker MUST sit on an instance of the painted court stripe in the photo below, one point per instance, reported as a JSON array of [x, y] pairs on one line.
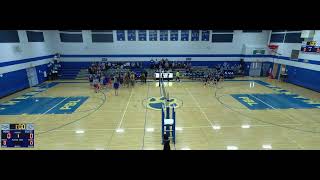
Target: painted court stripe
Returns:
[[124, 112], [262, 101], [287, 115], [50, 109]]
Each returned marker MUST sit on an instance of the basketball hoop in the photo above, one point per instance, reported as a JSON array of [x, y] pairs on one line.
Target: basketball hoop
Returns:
[[273, 48]]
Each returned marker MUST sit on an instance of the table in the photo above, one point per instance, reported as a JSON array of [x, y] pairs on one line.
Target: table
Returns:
[[164, 75]]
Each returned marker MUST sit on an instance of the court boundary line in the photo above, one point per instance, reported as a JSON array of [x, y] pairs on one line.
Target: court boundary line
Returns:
[[61, 126], [125, 111], [109, 141], [200, 107], [145, 119], [294, 141]]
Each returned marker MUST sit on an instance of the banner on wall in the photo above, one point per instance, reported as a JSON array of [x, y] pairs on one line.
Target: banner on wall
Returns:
[[142, 35], [205, 35], [174, 35], [153, 35], [120, 35], [164, 35], [195, 35], [184, 35], [131, 35]]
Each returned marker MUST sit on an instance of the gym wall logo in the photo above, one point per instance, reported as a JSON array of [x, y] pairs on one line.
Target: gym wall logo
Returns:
[[156, 103]]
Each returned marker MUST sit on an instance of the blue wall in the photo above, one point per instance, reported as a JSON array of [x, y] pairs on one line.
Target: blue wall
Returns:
[[13, 81], [304, 77], [40, 69]]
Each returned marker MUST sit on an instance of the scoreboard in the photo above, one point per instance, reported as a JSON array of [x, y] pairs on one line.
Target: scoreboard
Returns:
[[310, 46], [315, 49], [17, 135]]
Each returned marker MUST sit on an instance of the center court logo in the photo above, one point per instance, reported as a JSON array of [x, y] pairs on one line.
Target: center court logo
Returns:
[[156, 103]]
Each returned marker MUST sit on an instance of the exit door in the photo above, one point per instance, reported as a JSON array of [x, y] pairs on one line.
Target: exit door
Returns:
[[255, 69], [32, 76]]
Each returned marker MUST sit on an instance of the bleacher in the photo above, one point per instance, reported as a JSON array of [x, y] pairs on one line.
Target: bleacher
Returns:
[[68, 73]]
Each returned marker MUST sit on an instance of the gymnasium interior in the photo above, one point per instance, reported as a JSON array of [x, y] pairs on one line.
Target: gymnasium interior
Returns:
[[160, 89]]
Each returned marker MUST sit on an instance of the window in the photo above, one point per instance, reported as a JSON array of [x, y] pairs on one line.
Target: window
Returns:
[[71, 30], [64, 37], [102, 38], [9, 36], [221, 38], [34, 36], [277, 38], [293, 30], [252, 31], [293, 38], [222, 31], [101, 31]]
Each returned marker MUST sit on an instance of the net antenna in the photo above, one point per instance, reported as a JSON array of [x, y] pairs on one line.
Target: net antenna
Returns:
[[273, 51], [163, 92]]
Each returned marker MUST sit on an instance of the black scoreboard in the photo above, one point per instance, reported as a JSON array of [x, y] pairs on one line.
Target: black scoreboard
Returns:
[[17, 135], [310, 46], [315, 49]]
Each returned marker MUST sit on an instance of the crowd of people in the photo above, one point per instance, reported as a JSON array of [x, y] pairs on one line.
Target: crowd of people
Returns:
[[166, 64], [213, 78], [99, 78], [53, 68], [126, 77]]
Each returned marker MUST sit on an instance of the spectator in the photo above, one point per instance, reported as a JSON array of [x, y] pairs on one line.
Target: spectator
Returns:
[[116, 86], [178, 76], [166, 143]]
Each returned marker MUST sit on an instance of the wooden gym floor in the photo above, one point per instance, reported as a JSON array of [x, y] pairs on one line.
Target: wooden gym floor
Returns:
[[208, 117]]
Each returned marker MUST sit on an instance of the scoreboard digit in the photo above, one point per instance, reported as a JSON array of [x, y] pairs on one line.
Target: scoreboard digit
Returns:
[[17, 135]]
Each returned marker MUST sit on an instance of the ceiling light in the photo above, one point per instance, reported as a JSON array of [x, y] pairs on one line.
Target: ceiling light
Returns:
[[232, 147], [245, 126], [150, 129], [216, 127], [120, 130], [179, 128], [266, 146]]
